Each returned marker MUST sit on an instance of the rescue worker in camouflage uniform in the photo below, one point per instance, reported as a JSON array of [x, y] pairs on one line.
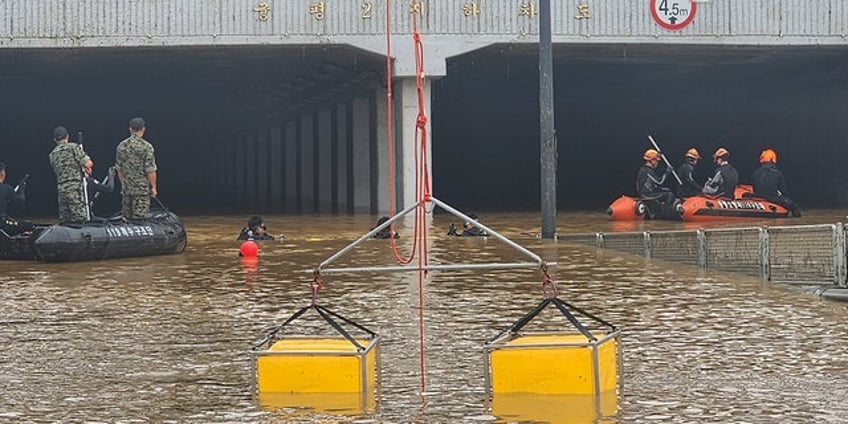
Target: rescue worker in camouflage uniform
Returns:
[[136, 168], [68, 160]]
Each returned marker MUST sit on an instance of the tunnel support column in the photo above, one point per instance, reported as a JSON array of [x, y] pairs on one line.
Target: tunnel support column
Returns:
[[406, 128]]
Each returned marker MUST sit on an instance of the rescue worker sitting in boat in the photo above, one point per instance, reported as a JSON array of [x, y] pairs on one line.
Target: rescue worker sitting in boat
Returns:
[[770, 184], [649, 187], [468, 229], [723, 183], [686, 171], [385, 233], [255, 230], [12, 197]]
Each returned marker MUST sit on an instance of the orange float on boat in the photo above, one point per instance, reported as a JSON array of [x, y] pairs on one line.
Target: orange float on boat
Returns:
[[626, 208]]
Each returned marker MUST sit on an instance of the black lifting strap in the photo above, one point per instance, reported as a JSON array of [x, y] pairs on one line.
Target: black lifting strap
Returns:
[[563, 308], [328, 316]]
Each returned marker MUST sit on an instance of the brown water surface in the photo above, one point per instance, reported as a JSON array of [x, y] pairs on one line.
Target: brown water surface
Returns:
[[167, 339]]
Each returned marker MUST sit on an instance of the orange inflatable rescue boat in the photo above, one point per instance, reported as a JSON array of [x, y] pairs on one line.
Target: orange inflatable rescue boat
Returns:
[[698, 208]]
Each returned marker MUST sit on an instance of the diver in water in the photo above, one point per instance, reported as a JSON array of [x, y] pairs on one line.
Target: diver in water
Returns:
[[385, 233], [255, 230], [468, 229]]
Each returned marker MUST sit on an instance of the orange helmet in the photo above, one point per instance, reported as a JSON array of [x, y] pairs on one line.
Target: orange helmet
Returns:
[[693, 153], [721, 153], [650, 154], [768, 155]]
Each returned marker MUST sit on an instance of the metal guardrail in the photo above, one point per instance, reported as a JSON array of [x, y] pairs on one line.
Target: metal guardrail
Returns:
[[799, 254]]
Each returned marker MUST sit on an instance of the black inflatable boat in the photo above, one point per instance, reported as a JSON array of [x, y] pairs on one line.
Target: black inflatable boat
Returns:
[[162, 233]]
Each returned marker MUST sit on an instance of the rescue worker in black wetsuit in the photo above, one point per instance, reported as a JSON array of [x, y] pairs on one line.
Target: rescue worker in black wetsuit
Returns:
[[468, 229], [12, 197], [648, 185], [770, 184], [686, 172], [385, 233], [723, 183], [96, 188], [255, 230]]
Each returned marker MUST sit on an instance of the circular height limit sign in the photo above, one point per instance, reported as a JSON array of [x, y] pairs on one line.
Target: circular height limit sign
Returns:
[[673, 14]]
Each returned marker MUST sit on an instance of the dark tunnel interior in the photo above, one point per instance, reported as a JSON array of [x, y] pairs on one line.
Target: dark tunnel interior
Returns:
[[608, 99], [484, 116]]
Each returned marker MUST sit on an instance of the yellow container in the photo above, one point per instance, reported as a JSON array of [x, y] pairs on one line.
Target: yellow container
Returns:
[[565, 364], [317, 365]]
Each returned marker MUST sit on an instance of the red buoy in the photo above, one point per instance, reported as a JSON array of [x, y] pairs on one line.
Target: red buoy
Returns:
[[249, 249]]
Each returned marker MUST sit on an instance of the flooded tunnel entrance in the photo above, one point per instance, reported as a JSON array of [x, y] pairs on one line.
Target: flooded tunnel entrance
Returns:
[[484, 118], [610, 97], [193, 99]]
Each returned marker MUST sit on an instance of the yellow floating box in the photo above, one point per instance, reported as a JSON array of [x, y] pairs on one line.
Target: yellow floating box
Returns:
[[317, 365], [563, 364]]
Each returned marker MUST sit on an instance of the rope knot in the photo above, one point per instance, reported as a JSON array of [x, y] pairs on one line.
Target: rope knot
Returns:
[[549, 285], [421, 121]]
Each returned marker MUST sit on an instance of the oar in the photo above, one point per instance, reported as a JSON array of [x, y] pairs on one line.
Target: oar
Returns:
[[160, 204], [667, 163]]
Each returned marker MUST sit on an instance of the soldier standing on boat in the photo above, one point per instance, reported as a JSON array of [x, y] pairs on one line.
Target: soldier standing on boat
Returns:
[[136, 166], [12, 196], [68, 160]]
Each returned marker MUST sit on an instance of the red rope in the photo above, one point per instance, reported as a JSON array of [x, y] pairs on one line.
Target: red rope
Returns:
[[422, 177]]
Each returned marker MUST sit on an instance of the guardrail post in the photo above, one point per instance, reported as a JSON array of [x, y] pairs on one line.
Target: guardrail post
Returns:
[[765, 262], [648, 244], [839, 251], [702, 248]]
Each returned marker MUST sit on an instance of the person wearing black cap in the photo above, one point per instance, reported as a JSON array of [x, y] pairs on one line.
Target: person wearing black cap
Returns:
[[136, 166], [255, 230], [68, 161], [12, 197]]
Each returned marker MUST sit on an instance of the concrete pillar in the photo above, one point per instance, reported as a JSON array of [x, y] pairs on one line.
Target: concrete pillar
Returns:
[[360, 133], [408, 143], [291, 174], [262, 174], [380, 155], [307, 164], [342, 149], [324, 162], [276, 160]]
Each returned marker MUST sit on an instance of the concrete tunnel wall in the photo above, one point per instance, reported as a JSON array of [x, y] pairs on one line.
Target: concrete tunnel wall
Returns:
[[214, 139]]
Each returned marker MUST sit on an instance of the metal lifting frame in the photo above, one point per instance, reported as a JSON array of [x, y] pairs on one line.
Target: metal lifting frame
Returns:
[[508, 265]]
